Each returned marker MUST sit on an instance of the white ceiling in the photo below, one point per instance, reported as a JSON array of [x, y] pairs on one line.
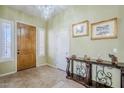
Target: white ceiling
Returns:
[[33, 10]]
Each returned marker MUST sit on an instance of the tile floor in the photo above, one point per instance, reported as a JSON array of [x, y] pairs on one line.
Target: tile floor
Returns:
[[40, 77]]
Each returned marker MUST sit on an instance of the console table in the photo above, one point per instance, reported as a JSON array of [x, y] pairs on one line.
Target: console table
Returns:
[[91, 73]]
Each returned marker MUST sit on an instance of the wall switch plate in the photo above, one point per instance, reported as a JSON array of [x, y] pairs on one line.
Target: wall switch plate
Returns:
[[115, 50]]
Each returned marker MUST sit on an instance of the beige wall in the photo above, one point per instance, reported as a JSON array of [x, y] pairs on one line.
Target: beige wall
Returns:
[[84, 45], [121, 34], [63, 22], [17, 16]]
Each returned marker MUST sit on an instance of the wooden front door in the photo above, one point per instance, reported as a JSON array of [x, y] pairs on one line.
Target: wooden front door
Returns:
[[26, 46]]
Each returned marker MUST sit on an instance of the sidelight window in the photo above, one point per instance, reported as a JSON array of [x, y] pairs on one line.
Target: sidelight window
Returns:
[[6, 40]]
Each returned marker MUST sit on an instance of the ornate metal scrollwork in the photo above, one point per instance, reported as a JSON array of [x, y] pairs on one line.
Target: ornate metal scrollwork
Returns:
[[103, 77], [81, 70]]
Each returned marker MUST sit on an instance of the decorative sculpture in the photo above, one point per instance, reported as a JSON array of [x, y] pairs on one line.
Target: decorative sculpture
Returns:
[[114, 59], [99, 60], [86, 57], [73, 56]]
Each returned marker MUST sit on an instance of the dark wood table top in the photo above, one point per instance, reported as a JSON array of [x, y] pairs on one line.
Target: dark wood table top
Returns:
[[93, 61]]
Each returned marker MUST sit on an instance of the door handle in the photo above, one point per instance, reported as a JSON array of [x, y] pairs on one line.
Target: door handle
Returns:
[[18, 52]]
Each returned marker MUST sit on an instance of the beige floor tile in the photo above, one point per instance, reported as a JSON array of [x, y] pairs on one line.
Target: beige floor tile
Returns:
[[40, 77]]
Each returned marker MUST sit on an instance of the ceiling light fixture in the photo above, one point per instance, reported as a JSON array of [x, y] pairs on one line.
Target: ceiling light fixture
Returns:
[[48, 11]]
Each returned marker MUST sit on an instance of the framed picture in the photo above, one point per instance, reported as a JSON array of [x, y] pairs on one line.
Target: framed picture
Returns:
[[80, 29], [104, 30]]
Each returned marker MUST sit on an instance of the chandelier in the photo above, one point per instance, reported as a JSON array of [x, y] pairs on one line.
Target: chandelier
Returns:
[[48, 11]]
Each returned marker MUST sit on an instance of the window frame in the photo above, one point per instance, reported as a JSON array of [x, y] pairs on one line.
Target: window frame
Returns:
[[38, 45], [12, 41]]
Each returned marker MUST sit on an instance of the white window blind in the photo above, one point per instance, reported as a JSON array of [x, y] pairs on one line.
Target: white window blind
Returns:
[[41, 42], [6, 40]]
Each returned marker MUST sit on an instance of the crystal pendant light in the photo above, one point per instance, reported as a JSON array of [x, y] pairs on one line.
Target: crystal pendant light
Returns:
[[47, 11]]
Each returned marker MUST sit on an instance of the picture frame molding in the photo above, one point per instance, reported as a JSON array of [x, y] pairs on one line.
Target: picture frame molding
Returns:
[[115, 29], [87, 22]]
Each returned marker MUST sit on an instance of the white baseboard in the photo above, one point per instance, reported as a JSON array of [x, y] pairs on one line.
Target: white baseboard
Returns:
[[7, 73], [46, 64], [51, 65], [42, 65]]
